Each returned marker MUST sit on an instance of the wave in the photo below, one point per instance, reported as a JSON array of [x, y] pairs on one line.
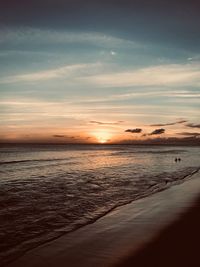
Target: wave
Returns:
[[33, 160], [174, 151]]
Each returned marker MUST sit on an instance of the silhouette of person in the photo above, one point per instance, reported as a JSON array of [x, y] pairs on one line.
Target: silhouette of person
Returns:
[[176, 160], [179, 159]]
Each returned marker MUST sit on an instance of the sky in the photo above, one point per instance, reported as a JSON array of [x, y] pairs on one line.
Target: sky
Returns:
[[99, 71]]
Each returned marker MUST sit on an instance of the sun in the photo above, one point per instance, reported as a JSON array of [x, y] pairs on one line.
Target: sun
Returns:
[[102, 136], [102, 140]]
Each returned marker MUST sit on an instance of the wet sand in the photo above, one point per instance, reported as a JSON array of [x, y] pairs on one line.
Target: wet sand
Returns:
[[177, 245], [156, 230]]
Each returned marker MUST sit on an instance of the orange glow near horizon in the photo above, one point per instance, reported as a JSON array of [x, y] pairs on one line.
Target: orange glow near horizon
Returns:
[[102, 136], [94, 135]]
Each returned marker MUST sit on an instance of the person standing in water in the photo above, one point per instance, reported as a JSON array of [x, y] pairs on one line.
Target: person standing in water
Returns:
[[177, 159]]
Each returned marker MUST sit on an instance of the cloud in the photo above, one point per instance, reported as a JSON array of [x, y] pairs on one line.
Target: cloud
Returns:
[[193, 125], [189, 140], [64, 71], [189, 134], [142, 93], [69, 138], [162, 75], [158, 131], [136, 130], [36, 36], [106, 123], [168, 124], [143, 135], [100, 75]]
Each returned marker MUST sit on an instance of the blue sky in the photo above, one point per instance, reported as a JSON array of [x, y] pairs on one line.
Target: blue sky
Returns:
[[86, 71]]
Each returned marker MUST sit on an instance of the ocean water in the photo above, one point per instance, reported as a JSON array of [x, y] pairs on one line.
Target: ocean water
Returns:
[[49, 190]]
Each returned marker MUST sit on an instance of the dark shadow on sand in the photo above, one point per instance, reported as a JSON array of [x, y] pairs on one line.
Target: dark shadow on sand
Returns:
[[178, 245]]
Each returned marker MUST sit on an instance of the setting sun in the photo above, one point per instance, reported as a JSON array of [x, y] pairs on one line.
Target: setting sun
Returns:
[[102, 136]]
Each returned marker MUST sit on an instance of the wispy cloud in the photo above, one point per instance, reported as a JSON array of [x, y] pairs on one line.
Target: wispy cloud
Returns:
[[193, 125], [98, 75], [143, 93], [106, 123], [164, 75], [168, 124], [64, 71], [34, 36]]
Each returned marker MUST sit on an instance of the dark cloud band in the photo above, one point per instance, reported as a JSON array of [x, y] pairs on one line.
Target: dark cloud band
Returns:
[[193, 125], [158, 131], [168, 124], [189, 134], [136, 130]]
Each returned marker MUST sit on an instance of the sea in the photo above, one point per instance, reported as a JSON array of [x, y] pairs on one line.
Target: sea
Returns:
[[50, 190]]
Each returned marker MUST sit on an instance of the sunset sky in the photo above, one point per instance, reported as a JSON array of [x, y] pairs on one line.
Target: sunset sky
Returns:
[[99, 71]]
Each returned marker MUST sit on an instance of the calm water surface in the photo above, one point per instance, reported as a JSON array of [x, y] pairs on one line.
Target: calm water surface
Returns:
[[46, 191]]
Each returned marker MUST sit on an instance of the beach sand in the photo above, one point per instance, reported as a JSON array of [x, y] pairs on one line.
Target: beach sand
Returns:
[[177, 245], [159, 230]]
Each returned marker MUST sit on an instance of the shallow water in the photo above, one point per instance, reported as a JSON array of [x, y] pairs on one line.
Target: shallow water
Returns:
[[46, 191]]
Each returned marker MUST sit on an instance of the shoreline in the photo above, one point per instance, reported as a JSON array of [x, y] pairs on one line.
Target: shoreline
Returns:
[[120, 232]]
